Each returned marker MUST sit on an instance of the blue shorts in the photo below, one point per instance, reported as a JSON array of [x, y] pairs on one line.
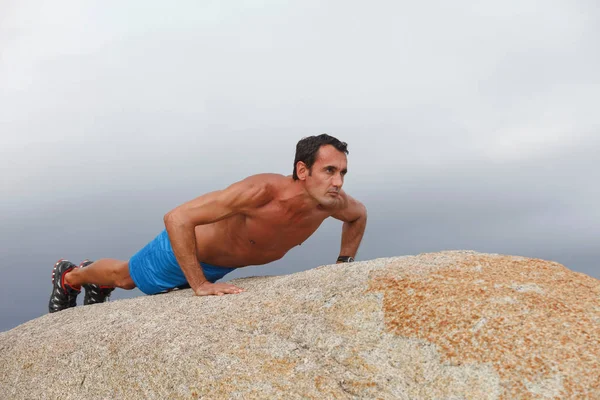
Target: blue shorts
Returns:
[[154, 268]]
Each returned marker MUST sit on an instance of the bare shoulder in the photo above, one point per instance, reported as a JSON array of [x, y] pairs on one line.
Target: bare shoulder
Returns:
[[255, 190], [266, 179], [349, 208], [263, 183]]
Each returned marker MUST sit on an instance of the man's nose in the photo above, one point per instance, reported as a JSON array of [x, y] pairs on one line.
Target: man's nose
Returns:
[[338, 180]]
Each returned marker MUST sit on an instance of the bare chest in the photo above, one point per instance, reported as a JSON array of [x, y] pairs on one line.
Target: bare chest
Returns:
[[277, 229]]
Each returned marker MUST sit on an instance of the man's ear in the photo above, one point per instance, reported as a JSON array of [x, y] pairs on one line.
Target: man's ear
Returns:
[[301, 170]]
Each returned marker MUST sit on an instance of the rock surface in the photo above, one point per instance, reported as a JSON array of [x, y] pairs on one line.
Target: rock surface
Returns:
[[440, 325]]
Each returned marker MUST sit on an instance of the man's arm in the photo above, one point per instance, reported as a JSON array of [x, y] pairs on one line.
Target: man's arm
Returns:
[[354, 215], [212, 207]]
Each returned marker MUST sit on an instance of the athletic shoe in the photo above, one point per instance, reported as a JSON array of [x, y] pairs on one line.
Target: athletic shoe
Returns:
[[63, 296], [95, 293]]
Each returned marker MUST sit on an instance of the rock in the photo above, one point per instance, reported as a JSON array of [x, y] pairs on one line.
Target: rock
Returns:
[[445, 325]]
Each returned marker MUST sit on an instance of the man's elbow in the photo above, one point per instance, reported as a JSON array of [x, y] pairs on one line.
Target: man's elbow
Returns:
[[174, 218], [363, 214]]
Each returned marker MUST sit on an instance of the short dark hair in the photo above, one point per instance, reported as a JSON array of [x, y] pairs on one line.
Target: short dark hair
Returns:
[[308, 148]]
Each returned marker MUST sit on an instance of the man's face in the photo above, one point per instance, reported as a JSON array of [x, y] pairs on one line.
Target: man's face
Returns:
[[327, 176]]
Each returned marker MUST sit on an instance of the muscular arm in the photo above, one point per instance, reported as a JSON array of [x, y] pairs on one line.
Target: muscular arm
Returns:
[[211, 207], [354, 215]]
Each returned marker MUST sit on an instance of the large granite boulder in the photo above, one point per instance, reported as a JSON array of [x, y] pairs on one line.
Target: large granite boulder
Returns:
[[446, 325]]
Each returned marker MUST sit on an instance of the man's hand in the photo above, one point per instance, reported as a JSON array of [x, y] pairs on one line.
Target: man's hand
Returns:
[[219, 289]]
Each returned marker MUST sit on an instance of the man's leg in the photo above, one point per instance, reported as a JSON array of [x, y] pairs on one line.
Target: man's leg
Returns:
[[104, 272]]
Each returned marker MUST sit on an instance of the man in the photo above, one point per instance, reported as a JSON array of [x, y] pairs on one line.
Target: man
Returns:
[[252, 222]]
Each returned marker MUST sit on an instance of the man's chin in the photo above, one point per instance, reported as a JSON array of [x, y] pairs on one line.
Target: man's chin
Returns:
[[330, 201]]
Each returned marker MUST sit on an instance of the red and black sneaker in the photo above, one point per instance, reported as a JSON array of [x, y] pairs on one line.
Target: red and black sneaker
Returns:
[[63, 296], [95, 293]]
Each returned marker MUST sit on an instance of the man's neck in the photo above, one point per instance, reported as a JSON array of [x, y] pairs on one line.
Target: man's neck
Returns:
[[297, 198]]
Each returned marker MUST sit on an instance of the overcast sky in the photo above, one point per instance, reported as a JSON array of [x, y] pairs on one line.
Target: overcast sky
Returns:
[[471, 124]]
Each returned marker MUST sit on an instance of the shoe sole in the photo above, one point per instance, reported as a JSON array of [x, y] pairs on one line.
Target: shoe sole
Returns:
[[54, 277], [54, 269]]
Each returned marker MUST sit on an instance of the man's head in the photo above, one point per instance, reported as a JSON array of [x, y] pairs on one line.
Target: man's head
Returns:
[[307, 150], [321, 164]]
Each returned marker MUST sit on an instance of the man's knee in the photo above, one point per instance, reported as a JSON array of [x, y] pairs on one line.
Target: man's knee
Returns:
[[122, 278], [127, 284]]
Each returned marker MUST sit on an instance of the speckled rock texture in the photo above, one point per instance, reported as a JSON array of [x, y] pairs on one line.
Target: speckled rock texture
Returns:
[[448, 325]]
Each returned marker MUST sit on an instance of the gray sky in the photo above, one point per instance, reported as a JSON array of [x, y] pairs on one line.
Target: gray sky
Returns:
[[471, 125]]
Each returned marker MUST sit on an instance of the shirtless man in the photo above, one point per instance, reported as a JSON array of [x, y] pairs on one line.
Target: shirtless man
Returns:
[[252, 222]]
